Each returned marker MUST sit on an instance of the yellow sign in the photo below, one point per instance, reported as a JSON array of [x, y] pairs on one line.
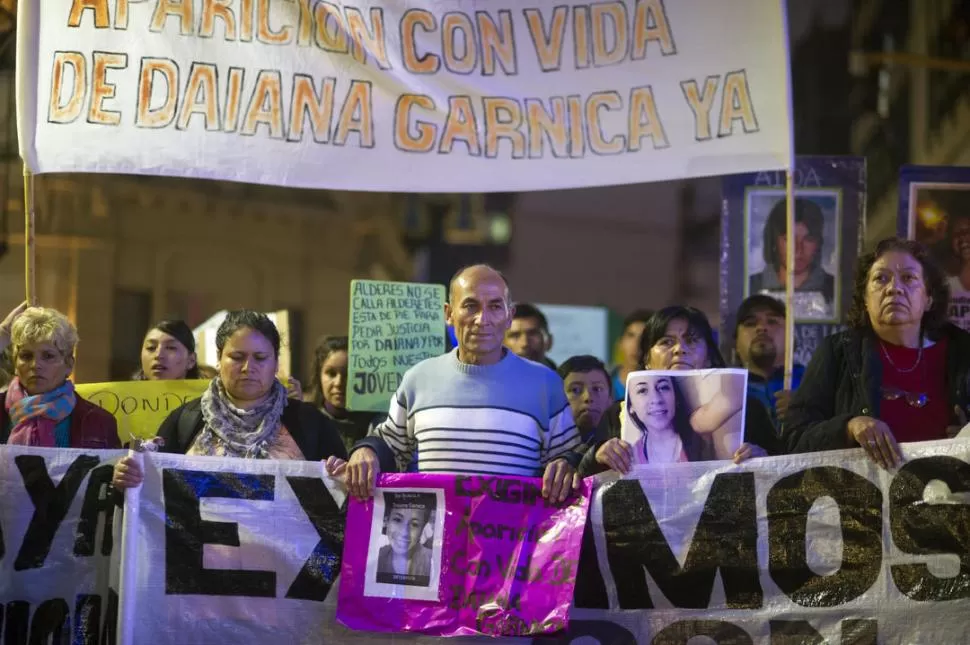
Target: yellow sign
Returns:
[[141, 406]]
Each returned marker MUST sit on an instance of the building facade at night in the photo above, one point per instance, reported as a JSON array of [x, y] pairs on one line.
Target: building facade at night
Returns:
[[907, 112]]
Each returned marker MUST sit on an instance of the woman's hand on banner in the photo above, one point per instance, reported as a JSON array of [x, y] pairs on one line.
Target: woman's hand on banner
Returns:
[[749, 451], [617, 455], [361, 473], [558, 480], [127, 474], [875, 437]]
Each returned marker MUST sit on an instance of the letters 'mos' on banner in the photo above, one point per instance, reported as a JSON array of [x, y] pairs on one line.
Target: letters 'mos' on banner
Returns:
[[471, 96], [393, 325]]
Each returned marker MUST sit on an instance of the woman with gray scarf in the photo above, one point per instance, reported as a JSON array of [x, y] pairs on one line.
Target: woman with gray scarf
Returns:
[[245, 411]]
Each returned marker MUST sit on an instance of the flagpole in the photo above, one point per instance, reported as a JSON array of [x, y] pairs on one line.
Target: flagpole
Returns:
[[789, 277], [789, 214], [30, 250]]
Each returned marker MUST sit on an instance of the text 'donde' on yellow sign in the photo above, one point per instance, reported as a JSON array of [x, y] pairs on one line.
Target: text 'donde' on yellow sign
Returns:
[[141, 406]]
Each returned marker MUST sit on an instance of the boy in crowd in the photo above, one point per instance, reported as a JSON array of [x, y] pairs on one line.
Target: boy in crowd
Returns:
[[589, 391]]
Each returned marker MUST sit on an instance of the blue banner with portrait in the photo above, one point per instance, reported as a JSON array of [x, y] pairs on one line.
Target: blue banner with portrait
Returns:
[[829, 218], [934, 208]]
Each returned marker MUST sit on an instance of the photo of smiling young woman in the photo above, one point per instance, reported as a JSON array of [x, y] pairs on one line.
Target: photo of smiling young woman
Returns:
[[406, 540], [669, 414]]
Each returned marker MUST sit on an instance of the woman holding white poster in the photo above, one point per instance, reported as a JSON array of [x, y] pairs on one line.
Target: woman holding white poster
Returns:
[[677, 339]]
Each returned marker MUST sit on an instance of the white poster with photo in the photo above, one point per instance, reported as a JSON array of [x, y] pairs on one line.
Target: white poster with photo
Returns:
[[404, 557], [684, 415], [417, 96]]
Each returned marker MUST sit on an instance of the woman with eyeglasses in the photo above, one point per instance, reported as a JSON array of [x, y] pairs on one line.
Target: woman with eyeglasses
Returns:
[[898, 374]]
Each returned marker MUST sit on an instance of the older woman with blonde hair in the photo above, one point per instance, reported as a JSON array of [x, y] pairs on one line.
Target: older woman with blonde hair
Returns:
[[40, 407]]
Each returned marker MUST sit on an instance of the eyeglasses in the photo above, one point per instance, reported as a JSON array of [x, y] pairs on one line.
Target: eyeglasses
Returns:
[[914, 399]]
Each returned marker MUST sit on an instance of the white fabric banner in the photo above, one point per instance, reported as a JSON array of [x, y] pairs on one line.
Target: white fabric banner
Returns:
[[57, 537], [819, 548], [229, 551], [423, 96]]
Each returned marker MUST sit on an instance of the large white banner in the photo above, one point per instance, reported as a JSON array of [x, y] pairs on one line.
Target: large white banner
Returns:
[[57, 538], [820, 548], [424, 95], [229, 551]]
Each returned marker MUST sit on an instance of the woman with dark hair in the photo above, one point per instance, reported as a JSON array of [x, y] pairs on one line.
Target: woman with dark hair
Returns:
[[809, 237], [898, 374], [659, 411], [680, 338], [245, 412], [168, 353], [328, 391]]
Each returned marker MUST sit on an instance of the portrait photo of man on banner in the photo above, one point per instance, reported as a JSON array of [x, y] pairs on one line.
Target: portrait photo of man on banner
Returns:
[[817, 249], [684, 416]]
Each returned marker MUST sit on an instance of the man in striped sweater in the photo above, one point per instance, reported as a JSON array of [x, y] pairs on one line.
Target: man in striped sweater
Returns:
[[478, 409]]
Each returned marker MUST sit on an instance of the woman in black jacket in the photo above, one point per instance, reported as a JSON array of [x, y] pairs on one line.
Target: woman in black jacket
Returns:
[[898, 374], [676, 338], [245, 411]]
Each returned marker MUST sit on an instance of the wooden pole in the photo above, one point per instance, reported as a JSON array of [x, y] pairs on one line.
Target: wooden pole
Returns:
[[30, 251], [789, 277]]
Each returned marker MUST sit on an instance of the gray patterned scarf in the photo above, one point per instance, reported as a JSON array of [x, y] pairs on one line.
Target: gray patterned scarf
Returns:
[[231, 432]]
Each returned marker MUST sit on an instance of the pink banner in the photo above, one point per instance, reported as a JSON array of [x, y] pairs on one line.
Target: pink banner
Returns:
[[453, 555]]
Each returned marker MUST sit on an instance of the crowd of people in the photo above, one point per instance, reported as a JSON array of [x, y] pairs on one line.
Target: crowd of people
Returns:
[[495, 404]]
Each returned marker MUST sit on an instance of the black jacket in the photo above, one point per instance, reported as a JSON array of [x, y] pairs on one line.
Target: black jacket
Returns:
[[842, 382], [758, 429], [312, 432]]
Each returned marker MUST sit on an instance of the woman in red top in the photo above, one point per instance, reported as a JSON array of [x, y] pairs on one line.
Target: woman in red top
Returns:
[[899, 374]]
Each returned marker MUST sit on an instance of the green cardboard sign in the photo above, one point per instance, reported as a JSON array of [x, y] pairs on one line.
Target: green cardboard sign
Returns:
[[393, 325]]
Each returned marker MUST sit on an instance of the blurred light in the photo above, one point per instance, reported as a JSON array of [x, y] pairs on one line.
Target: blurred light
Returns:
[[499, 228], [931, 217]]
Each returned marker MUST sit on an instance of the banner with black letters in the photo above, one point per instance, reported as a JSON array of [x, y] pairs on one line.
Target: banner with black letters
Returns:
[[229, 551], [58, 536], [818, 548]]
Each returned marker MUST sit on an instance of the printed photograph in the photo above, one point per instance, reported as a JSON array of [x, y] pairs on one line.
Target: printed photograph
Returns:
[[818, 223], [689, 415], [404, 558], [939, 217]]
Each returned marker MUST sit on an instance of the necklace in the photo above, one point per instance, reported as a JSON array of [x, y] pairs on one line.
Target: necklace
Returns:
[[919, 357]]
